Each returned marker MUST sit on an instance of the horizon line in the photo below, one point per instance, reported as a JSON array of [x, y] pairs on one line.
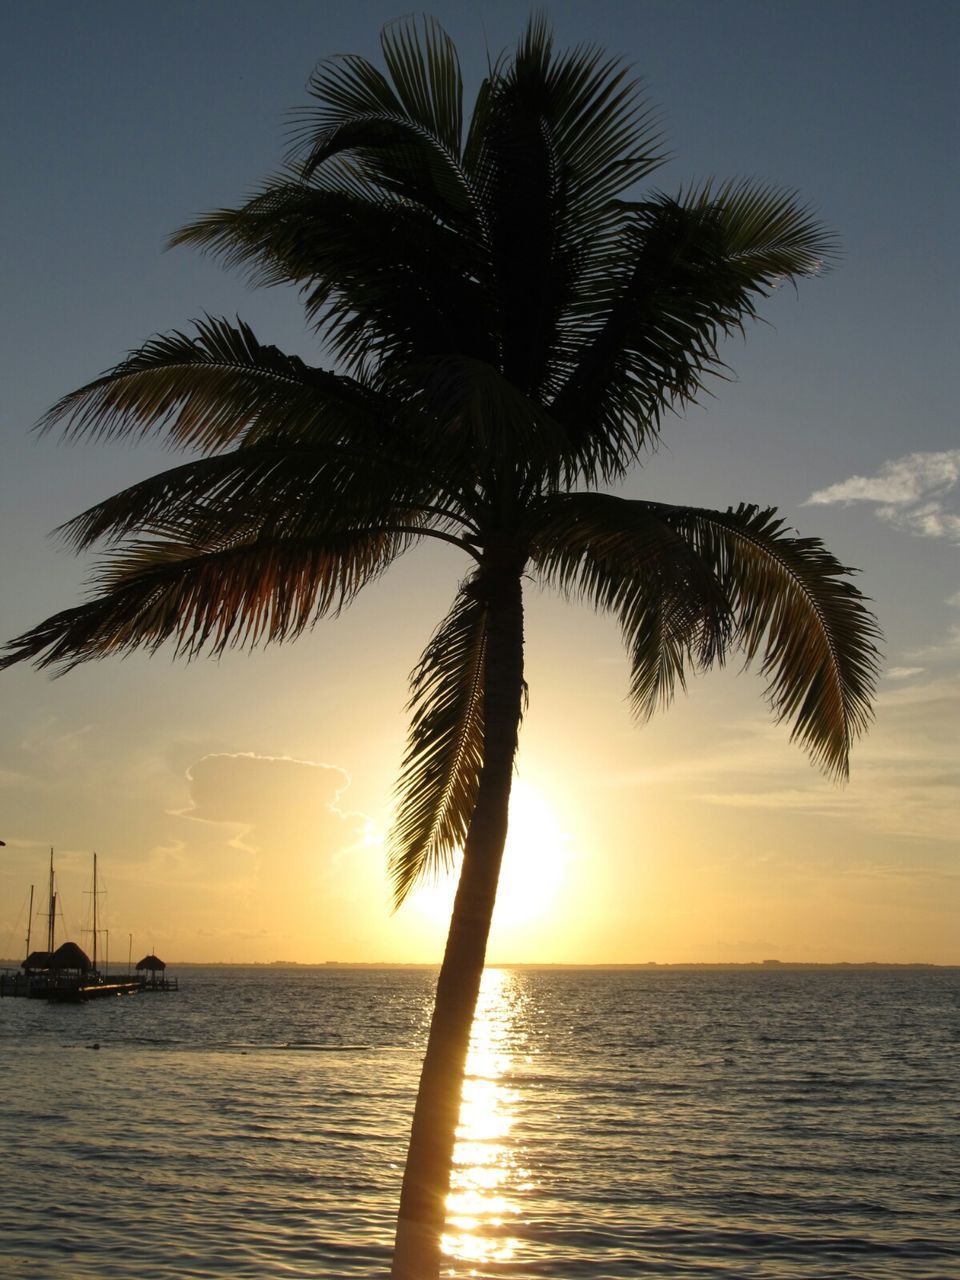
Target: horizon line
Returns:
[[771, 964]]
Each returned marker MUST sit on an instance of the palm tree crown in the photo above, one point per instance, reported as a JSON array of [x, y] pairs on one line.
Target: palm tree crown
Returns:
[[509, 323]]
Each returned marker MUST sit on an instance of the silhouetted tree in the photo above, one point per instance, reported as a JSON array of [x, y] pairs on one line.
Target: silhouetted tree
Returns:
[[509, 325]]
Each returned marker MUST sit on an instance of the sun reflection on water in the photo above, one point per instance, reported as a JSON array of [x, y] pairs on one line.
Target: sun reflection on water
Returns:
[[480, 1207]]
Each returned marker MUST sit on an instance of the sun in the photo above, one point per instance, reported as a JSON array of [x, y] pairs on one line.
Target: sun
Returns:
[[534, 862]]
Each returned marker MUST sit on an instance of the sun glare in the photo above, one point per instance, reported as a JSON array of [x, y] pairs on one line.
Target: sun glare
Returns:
[[481, 1210], [533, 864]]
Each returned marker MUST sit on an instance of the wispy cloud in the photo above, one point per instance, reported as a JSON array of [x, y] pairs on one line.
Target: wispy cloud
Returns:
[[919, 492], [793, 800], [14, 778], [905, 782], [947, 648]]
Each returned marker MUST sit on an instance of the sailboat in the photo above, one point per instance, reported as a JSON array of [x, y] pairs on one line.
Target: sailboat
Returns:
[[37, 966], [66, 973]]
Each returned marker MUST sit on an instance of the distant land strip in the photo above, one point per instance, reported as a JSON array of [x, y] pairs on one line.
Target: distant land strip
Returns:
[[544, 964]]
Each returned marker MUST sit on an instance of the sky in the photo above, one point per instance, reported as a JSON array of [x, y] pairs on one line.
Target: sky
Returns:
[[240, 808]]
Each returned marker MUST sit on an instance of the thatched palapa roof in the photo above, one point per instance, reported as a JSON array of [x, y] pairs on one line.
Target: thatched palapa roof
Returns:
[[151, 962], [69, 956]]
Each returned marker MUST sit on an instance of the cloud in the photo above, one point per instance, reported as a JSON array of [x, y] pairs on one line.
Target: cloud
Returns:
[[905, 480], [793, 799], [286, 808], [944, 691], [13, 778], [254, 790], [905, 782], [265, 848], [919, 492], [947, 648], [48, 738], [904, 673]]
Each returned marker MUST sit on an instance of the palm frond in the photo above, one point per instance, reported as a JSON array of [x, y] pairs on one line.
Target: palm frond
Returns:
[[555, 139], [624, 558], [798, 611], [470, 410], [423, 62], [209, 598], [379, 278], [606, 134], [603, 134], [440, 772], [399, 136], [690, 272], [768, 233], [426, 88], [217, 388], [301, 488], [688, 583]]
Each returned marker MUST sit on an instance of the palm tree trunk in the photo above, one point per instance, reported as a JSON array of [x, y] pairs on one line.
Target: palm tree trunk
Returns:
[[426, 1180]]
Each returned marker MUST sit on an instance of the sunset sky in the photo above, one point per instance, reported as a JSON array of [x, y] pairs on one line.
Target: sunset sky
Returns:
[[240, 807]]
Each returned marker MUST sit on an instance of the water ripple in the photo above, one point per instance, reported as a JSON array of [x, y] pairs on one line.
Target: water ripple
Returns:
[[789, 1126]]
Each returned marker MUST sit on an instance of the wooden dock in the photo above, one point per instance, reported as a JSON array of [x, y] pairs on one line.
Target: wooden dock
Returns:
[[74, 990]]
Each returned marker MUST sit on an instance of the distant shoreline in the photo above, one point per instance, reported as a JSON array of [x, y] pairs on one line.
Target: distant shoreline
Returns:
[[765, 966]]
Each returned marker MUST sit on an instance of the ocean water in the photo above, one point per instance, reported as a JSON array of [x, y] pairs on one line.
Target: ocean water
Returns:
[[789, 1124]]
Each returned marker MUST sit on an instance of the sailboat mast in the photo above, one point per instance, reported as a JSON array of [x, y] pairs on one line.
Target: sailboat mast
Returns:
[[94, 912], [52, 917], [29, 920]]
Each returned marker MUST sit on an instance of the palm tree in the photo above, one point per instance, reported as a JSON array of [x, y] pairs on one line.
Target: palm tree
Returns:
[[508, 330]]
